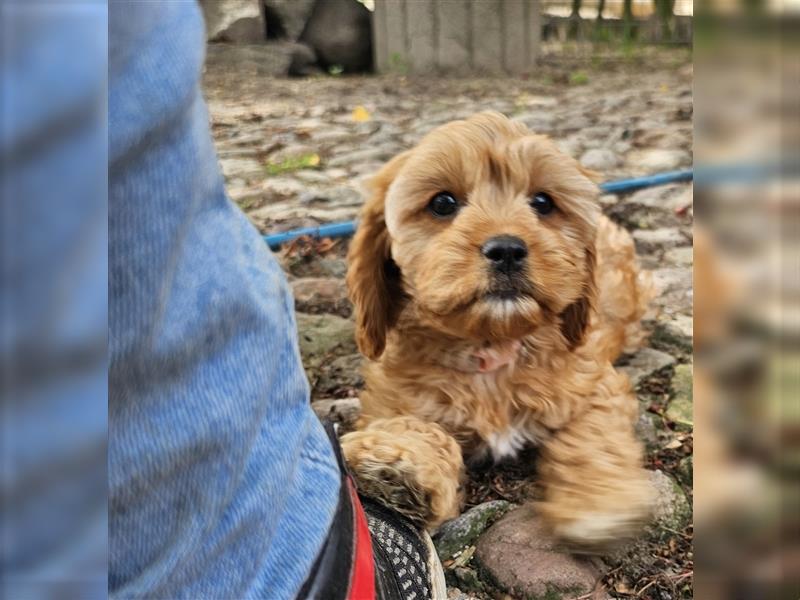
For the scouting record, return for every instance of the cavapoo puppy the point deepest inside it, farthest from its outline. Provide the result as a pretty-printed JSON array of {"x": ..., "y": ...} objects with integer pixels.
[{"x": 491, "y": 297}]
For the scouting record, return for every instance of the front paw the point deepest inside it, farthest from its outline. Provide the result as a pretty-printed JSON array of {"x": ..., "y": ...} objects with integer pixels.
[
  {"x": 411, "y": 466},
  {"x": 596, "y": 516}
]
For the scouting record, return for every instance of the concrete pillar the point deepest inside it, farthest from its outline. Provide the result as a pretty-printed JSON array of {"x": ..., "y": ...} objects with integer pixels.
[{"x": 456, "y": 37}]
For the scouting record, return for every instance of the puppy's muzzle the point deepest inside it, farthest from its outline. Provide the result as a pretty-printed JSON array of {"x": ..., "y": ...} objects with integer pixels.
[{"x": 505, "y": 253}]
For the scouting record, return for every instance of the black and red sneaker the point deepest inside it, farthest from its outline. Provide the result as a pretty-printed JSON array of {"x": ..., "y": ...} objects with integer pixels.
[
  {"x": 406, "y": 564},
  {"x": 372, "y": 552}
]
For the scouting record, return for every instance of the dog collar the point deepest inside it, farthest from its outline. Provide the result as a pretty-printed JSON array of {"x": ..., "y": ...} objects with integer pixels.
[{"x": 497, "y": 356}]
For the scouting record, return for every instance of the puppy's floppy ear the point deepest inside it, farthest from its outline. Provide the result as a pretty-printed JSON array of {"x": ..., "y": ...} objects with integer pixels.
[
  {"x": 575, "y": 318},
  {"x": 373, "y": 278}
]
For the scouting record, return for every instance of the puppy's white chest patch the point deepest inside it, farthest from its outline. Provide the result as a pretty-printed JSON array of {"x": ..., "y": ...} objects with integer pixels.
[{"x": 506, "y": 444}]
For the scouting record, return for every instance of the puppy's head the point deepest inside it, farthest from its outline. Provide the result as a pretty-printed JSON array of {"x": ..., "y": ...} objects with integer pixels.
[{"x": 486, "y": 228}]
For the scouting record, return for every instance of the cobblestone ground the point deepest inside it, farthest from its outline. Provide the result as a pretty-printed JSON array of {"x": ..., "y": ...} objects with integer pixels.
[{"x": 294, "y": 153}]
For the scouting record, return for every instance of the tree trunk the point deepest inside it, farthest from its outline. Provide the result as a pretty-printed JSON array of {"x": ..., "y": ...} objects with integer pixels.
[
  {"x": 600, "y": 30},
  {"x": 754, "y": 7},
  {"x": 575, "y": 19},
  {"x": 627, "y": 11},
  {"x": 664, "y": 10},
  {"x": 627, "y": 18}
]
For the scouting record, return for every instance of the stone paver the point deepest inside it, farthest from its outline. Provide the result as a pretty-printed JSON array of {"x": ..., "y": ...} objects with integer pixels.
[{"x": 522, "y": 559}]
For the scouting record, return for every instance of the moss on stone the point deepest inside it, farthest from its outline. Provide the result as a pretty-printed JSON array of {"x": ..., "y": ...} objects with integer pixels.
[
  {"x": 464, "y": 530},
  {"x": 681, "y": 408}
]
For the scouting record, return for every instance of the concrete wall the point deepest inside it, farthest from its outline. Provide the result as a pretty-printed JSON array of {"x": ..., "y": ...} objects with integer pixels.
[
  {"x": 456, "y": 37},
  {"x": 240, "y": 21}
]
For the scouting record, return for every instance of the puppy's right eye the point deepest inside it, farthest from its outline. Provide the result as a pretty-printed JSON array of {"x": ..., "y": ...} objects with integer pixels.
[{"x": 443, "y": 204}]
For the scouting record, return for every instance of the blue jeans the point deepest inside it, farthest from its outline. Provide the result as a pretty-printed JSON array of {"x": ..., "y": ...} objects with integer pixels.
[{"x": 222, "y": 483}]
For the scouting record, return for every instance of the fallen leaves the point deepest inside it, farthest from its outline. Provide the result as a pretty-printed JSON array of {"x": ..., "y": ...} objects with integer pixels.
[
  {"x": 361, "y": 114},
  {"x": 307, "y": 246},
  {"x": 294, "y": 163}
]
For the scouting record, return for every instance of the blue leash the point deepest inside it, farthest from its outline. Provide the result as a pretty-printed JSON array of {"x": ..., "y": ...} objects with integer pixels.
[
  {"x": 333, "y": 230},
  {"x": 348, "y": 228},
  {"x": 638, "y": 183}
]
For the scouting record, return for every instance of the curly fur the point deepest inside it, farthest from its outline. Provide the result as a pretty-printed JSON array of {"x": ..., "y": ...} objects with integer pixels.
[{"x": 419, "y": 286}]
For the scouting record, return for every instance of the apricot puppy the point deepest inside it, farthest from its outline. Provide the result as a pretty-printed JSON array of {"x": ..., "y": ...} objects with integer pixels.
[{"x": 491, "y": 296}]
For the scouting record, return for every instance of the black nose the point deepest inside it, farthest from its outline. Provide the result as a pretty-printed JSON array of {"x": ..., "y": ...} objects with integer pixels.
[{"x": 506, "y": 253}]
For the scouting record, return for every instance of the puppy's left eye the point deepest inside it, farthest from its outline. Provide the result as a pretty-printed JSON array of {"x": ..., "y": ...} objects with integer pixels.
[
  {"x": 443, "y": 204},
  {"x": 542, "y": 203}
]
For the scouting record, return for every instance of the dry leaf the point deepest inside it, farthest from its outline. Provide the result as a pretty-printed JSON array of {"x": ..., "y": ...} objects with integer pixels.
[
  {"x": 325, "y": 245},
  {"x": 361, "y": 114},
  {"x": 463, "y": 558},
  {"x": 621, "y": 586}
]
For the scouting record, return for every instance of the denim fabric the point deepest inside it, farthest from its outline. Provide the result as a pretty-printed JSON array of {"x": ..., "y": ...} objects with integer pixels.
[
  {"x": 222, "y": 483},
  {"x": 53, "y": 283}
]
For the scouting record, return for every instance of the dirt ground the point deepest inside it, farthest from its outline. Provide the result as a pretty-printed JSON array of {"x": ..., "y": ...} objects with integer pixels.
[{"x": 294, "y": 153}]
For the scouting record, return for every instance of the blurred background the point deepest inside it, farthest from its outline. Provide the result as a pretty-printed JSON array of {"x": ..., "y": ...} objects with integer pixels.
[
  {"x": 747, "y": 365},
  {"x": 452, "y": 37}
]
